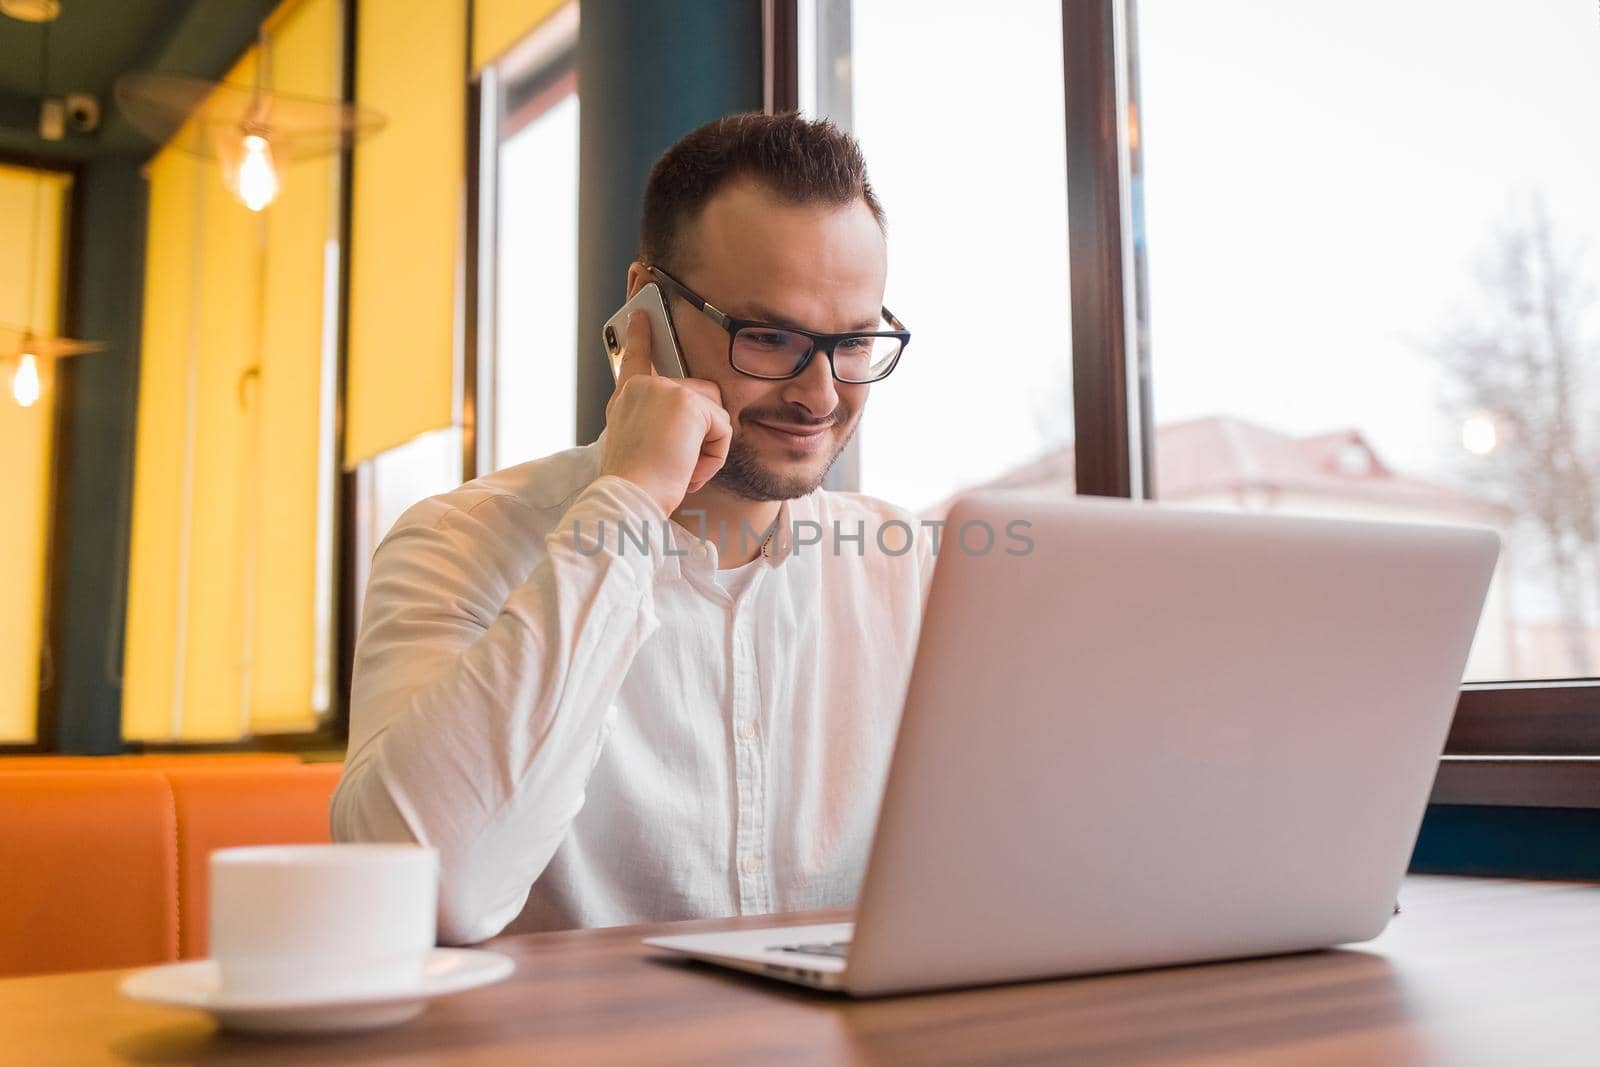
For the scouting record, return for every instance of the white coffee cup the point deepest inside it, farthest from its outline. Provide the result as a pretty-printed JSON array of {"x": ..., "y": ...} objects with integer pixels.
[{"x": 303, "y": 922}]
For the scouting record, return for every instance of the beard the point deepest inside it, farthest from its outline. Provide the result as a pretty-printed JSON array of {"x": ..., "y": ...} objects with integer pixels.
[{"x": 745, "y": 476}]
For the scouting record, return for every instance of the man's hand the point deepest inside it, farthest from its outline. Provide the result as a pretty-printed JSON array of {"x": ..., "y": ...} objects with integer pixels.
[{"x": 668, "y": 436}]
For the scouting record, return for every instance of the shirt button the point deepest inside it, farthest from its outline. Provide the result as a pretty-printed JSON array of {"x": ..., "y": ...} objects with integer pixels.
[
  {"x": 747, "y": 731},
  {"x": 751, "y": 865}
]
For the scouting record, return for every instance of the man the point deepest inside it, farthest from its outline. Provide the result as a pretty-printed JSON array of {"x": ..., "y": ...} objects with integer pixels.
[{"x": 596, "y": 729}]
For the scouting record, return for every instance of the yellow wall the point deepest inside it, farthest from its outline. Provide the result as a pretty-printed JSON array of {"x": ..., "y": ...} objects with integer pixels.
[
  {"x": 223, "y": 597},
  {"x": 25, "y": 435}
]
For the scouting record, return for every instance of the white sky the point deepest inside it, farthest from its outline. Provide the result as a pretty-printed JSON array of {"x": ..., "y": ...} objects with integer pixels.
[
  {"x": 1319, "y": 179},
  {"x": 537, "y": 288},
  {"x": 960, "y": 114}
]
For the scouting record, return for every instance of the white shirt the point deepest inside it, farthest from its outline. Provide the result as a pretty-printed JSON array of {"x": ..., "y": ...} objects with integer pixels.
[
  {"x": 605, "y": 725},
  {"x": 736, "y": 580}
]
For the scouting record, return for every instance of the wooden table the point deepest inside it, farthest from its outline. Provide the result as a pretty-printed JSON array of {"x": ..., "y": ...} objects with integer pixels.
[{"x": 1474, "y": 971}]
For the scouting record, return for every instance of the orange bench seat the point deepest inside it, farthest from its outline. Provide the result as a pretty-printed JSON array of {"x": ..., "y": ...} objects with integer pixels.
[
  {"x": 88, "y": 870},
  {"x": 110, "y": 867},
  {"x": 154, "y": 761}
]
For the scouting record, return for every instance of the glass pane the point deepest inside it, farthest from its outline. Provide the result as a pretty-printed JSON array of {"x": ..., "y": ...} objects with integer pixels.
[
  {"x": 961, "y": 116},
  {"x": 32, "y": 225},
  {"x": 393, "y": 481},
  {"x": 1373, "y": 274},
  {"x": 536, "y": 318}
]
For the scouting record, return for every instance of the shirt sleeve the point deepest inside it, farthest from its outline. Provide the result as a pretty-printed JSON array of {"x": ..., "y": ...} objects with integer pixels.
[{"x": 477, "y": 715}]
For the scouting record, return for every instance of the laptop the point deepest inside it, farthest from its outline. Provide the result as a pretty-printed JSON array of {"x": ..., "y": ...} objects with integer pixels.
[{"x": 1159, "y": 736}]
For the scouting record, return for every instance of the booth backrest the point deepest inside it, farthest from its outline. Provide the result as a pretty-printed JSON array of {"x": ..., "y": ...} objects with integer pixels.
[
  {"x": 155, "y": 761},
  {"x": 109, "y": 867},
  {"x": 221, "y": 808},
  {"x": 89, "y": 870}
]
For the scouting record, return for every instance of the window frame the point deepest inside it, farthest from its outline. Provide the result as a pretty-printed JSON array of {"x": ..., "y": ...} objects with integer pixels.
[
  {"x": 332, "y": 733},
  {"x": 1526, "y": 743},
  {"x": 1523, "y": 744},
  {"x": 538, "y": 72},
  {"x": 1518, "y": 744}
]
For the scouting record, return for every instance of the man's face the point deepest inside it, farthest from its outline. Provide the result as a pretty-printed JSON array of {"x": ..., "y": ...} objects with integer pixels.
[{"x": 817, "y": 267}]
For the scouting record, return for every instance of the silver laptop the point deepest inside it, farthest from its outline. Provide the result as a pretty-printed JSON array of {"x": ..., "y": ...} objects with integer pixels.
[{"x": 1160, "y": 736}]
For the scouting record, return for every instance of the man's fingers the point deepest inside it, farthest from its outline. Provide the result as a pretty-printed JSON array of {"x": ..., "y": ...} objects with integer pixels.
[
  {"x": 719, "y": 432},
  {"x": 718, "y": 426},
  {"x": 714, "y": 447},
  {"x": 661, "y": 425},
  {"x": 636, "y": 351},
  {"x": 701, "y": 387}
]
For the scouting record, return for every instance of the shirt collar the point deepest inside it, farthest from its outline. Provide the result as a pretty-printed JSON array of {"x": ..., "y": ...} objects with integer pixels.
[
  {"x": 700, "y": 555},
  {"x": 780, "y": 549}
]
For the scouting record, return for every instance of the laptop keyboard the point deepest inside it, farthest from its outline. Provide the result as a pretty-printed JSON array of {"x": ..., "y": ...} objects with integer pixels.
[{"x": 837, "y": 949}]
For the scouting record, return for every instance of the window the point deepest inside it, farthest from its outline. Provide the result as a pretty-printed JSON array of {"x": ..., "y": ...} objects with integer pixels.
[
  {"x": 526, "y": 288},
  {"x": 528, "y": 265},
  {"x": 389, "y": 483},
  {"x": 519, "y": 374},
  {"x": 1369, "y": 279},
  {"x": 968, "y": 156},
  {"x": 1372, "y": 285},
  {"x": 33, "y": 220},
  {"x": 229, "y": 623}
]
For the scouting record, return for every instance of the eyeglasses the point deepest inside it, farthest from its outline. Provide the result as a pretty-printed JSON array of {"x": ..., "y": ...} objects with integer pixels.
[{"x": 775, "y": 353}]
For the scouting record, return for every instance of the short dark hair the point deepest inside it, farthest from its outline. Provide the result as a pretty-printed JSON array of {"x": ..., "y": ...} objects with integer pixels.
[{"x": 802, "y": 160}]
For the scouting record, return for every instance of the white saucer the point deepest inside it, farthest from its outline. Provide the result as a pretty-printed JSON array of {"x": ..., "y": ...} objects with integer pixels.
[{"x": 194, "y": 984}]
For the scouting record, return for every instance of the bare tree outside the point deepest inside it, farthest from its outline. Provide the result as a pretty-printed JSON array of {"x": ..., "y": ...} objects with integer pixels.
[{"x": 1521, "y": 359}]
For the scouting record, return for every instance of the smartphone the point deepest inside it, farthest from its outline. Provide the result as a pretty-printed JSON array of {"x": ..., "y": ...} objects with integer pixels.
[{"x": 664, "y": 350}]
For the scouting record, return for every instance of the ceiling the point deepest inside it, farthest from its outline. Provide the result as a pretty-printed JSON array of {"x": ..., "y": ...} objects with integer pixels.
[{"x": 94, "y": 42}]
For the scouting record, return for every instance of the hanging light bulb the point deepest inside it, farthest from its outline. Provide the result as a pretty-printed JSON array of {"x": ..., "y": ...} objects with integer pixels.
[
  {"x": 25, "y": 382},
  {"x": 252, "y": 132},
  {"x": 248, "y": 155},
  {"x": 257, "y": 180}
]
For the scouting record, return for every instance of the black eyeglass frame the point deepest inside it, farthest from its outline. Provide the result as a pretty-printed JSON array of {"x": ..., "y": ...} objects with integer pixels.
[{"x": 823, "y": 342}]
